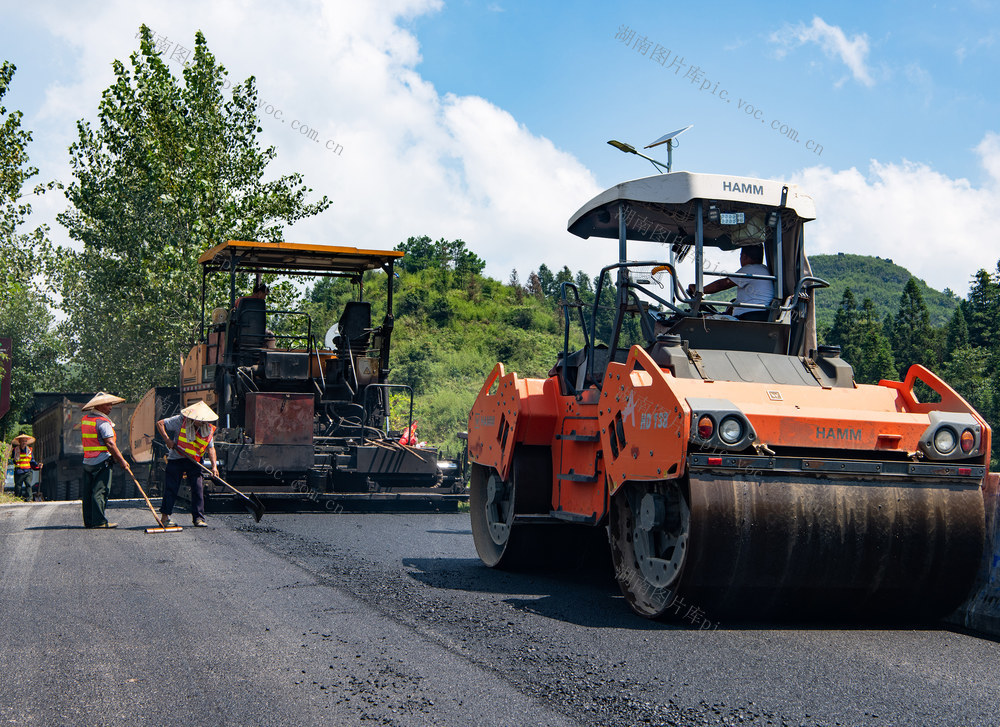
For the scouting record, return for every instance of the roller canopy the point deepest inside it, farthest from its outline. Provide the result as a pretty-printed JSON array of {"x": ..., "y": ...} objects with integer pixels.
[
  {"x": 661, "y": 207},
  {"x": 289, "y": 256}
]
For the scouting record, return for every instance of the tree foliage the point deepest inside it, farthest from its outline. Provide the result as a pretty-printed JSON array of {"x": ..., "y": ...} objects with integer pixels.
[
  {"x": 422, "y": 253},
  {"x": 874, "y": 352},
  {"x": 17, "y": 262},
  {"x": 872, "y": 277},
  {"x": 913, "y": 340},
  {"x": 958, "y": 333},
  {"x": 24, "y": 313},
  {"x": 169, "y": 170},
  {"x": 860, "y": 333},
  {"x": 980, "y": 310}
]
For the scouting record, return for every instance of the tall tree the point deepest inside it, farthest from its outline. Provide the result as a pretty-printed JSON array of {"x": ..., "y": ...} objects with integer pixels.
[
  {"x": 912, "y": 337},
  {"x": 17, "y": 263},
  {"x": 514, "y": 283},
  {"x": 981, "y": 310},
  {"x": 844, "y": 332},
  {"x": 534, "y": 286},
  {"x": 170, "y": 170},
  {"x": 547, "y": 280},
  {"x": 24, "y": 313},
  {"x": 874, "y": 354},
  {"x": 563, "y": 276},
  {"x": 958, "y": 333}
]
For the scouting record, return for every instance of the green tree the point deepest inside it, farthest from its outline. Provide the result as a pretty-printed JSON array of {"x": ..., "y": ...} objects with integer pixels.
[
  {"x": 17, "y": 261},
  {"x": 514, "y": 283},
  {"x": 563, "y": 276},
  {"x": 912, "y": 337},
  {"x": 968, "y": 372},
  {"x": 981, "y": 309},
  {"x": 27, "y": 321},
  {"x": 547, "y": 281},
  {"x": 534, "y": 286},
  {"x": 874, "y": 354},
  {"x": 844, "y": 332},
  {"x": 958, "y": 333},
  {"x": 422, "y": 253},
  {"x": 170, "y": 170},
  {"x": 24, "y": 313}
]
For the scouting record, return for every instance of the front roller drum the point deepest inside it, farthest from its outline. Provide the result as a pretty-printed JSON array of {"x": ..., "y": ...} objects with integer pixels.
[{"x": 782, "y": 546}]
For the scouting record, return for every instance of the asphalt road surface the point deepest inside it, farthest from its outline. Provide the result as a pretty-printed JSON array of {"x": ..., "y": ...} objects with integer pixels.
[{"x": 357, "y": 619}]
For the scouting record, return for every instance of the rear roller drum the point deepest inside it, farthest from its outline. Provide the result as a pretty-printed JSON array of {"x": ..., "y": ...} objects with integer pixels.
[
  {"x": 649, "y": 529},
  {"x": 493, "y": 503}
]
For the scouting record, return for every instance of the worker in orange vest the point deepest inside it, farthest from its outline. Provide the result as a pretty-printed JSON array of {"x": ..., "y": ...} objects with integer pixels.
[
  {"x": 188, "y": 436},
  {"x": 23, "y": 457},
  {"x": 99, "y": 454}
]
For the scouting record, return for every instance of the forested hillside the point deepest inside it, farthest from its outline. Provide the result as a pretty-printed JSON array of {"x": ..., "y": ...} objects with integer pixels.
[{"x": 880, "y": 280}]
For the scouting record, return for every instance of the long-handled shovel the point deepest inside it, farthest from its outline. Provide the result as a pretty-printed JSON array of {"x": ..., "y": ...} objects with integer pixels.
[
  {"x": 159, "y": 522},
  {"x": 252, "y": 502}
]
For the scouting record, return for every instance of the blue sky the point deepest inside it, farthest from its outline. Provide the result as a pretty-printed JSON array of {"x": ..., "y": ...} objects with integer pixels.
[
  {"x": 931, "y": 91},
  {"x": 488, "y": 120}
]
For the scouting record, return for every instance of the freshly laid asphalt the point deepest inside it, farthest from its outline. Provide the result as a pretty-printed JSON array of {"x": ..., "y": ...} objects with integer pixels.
[{"x": 345, "y": 619}]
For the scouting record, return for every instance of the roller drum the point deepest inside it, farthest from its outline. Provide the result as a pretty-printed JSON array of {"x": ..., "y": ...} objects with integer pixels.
[{"x": 838, "y": 548}]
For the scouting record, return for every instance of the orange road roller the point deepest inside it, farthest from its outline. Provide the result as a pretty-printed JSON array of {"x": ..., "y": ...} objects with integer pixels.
[{"x": 737, "y": 467}]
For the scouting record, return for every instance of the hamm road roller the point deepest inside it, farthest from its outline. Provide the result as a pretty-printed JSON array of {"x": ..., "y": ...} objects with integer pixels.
[{"x": 737, "y": 466}]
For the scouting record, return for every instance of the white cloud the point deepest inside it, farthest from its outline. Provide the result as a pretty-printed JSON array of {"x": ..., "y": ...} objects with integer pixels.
[
  {"x": 417, "y": 160},
  {"x": 940, "y": 229},
  {"x": 966, "y": 48},
  {"x": 833, "y": 41},
  {"x": 412, "y": 161}
]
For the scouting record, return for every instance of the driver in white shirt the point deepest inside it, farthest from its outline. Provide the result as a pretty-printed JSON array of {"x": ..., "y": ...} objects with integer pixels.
[{"x": 749, "y": 290}]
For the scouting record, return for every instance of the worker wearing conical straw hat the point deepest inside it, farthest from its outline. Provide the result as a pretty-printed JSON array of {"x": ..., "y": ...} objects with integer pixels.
[
  {"x": 99, "y": 453},
  {"x": 189, "y": 436},
  {"x": 23, "y": 457}
]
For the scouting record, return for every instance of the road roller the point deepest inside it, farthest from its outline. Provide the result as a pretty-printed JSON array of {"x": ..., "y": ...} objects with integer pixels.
[{"x": 737, "y": 466}]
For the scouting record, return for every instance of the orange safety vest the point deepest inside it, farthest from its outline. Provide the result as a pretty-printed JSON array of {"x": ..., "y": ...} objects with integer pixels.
[
  {"x": 92, "y": 444},
  {"x": 24, "y": 459},
  {"x": 198, "y": 446}
]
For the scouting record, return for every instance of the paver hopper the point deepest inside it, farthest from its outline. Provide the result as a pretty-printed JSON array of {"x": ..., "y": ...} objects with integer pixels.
[{"x": 738, "y": 467}]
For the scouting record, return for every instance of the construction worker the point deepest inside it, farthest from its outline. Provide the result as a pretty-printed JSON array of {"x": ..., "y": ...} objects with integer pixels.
[
  {"x": 22, "y": 455},
  {"x": 99, "y": 454},
  {"x": 188, "y": 436}
]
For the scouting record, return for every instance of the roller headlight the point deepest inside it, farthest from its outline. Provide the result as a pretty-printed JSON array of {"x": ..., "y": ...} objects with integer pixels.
[
  {"x": 731, "y": 430},
  {"x": 941, "y": 439},
  {"x": 945, "y": 440},
  {"x": 719, "y": 424}
]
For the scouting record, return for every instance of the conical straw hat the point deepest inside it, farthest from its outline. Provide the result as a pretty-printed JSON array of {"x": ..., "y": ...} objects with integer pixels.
[
  {"x": 200, "y": 412},
  {"x": 102, "y": 398},
  {"x": 23, "y": 439}
]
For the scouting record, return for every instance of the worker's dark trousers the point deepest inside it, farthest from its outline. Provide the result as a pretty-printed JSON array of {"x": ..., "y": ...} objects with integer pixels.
[
  {"x": 94, "y": 492},
  {"x": 172, "y": 485},
  {"x": 22, "y": 483}
]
